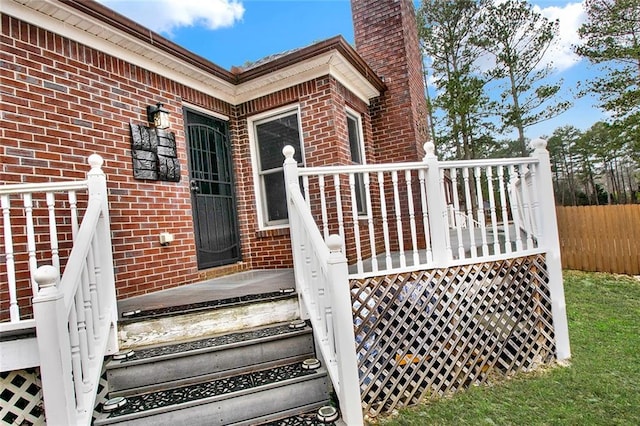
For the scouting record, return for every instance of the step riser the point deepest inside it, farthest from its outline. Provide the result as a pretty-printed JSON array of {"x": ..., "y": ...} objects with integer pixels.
[
  {"x": 239, "y": 409},
  {"x": 129, "y": 376},
  {"x": 177, "y": 328}
]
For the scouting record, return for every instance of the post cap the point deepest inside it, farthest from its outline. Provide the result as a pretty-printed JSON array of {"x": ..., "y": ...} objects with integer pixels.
[
  {"x": 288, "y": 151},
  {"x": 334, "y": 242},
  {"x": 538, "y": 144},
  {"x": 46, "y": 276}
]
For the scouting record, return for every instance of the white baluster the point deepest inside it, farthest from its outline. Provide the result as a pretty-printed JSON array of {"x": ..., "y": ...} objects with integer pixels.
[
  {"x": 446, "y": 234},
  {"x": 95, "y": 278},
  {"x": 526, "y": 205},
  {"x": 385, "y": 220},
  {"x": 336, "y": 186},
  {"x": 31, "y": 240},
  {"x": 14, "y": 309},
  {"x": 356, "y": 225},
  {"x": 396, "y": 201},
  {"x": 53, "y": 231},
  {"x": 323, "y": 206},
  {"x": 305, "y": 185},
  {"x": 535, "y": 200},
  {"x": 505, "y": 213},
  {"x": 481, "y": 220},
  {"x": 425, "y": 213},
  {"x": 515, "y": 209},
  {"x": 83, "y": 338},
  {"x": 372, "y": 234},
  {"x": 73, "y": 209},
  {"x": 492, "y": 207},
  {"x": 453, "y": 174},
  {"x": 469, "y": 205},
  {"x": 412, "y": 218}
]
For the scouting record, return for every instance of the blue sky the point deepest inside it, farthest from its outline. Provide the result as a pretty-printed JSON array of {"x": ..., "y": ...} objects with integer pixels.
[{"x": 233, "y": 32}]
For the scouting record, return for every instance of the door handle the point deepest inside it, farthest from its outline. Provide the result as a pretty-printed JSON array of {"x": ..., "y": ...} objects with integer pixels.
[{"x": 193, "y": 186}]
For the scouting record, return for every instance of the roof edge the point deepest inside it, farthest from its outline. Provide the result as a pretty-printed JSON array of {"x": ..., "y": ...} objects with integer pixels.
[
  {"x": 337, "y": 43},
  {"x": 128, "y": 26}
]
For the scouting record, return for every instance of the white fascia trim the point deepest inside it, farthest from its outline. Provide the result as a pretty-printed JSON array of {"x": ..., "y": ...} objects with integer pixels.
[
  {"x": 331, "y": 63},
  {"x": 217, "y": 88}
]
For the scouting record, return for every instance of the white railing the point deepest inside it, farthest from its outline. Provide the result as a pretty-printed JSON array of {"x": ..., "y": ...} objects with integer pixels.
[
  {"x": 22, "y": 232},
  {"x": 495, "y": 214},
  {"x": 395, "y": 218},
  {"x": 323, "y": 287},
  {"x": 75, "y": 314}
]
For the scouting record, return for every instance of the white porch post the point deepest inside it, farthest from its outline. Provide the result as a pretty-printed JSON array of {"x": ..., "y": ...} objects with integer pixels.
[
  {"x": 551, "y": 243},
  {"x": 54, "y": 348},
  {"x": 436, "y": 206},
  {"x": 349, "y": 389}
]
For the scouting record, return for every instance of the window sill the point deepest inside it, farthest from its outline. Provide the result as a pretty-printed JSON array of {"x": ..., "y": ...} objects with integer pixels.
[{"x": 268, "y": 233}]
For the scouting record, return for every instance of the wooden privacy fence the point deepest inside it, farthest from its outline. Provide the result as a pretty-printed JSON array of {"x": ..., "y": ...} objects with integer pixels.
[{"x": 600, "y": 238}]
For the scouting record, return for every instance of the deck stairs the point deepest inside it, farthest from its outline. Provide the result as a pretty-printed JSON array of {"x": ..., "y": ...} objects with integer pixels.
[{"x": 241, "y": 359}]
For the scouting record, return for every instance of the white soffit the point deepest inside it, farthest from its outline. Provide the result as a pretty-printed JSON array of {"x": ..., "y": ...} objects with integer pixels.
[
  {"x": 68, "y": 22},
  {"x": 330, "y": 63}
]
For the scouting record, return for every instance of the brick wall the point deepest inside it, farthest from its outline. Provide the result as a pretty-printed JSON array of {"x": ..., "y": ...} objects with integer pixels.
[
  {"x": 386, "y": 37},
  {"x": 62, "y": 101}
]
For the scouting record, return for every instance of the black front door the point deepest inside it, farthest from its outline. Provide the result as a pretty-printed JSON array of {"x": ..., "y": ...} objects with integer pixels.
[{"x": 212, "y": 190}]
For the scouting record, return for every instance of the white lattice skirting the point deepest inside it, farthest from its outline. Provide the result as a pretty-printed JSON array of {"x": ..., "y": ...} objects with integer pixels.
[
  {"x": 426, "y": 334},
  {"x": 21, "y": 397}
]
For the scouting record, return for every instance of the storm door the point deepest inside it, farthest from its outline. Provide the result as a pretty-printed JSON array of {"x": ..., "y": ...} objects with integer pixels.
[{"x": 212, "y": 190}]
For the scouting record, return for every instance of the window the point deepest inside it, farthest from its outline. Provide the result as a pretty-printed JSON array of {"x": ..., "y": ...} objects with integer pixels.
[
  {"x": 270, "y": 135},
  {"x": 357, "y": 157}
]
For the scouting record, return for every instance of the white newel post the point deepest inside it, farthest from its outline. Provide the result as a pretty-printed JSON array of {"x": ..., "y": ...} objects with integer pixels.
[
  {"x": 97, "y": 188},
  {"x": 349, "y": 393},
  {"x": 436, "y": 206},
  {"x": 54, "y": 348},
  {"x": 551, "y": 243}
]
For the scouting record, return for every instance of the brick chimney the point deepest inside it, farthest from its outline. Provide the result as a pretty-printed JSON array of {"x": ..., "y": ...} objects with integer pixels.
[{"x": 386, "y": 37}]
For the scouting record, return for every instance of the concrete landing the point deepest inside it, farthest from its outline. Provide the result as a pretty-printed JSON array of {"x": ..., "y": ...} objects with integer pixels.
[{"x": 240, "y": 284}]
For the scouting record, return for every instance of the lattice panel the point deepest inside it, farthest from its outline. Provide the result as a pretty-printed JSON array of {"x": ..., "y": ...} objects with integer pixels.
[
  {"x": 103, "y": 392},
  {"x": 21, "y": 398},
  {"x": 426, "y": 334}
]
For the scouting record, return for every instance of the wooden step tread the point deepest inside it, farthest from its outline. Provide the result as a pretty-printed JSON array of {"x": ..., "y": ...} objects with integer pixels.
[
  {"x": 189, "y": 395},
  {"x": 210, "y": 342},
  {"x": 165, "y": 311}
]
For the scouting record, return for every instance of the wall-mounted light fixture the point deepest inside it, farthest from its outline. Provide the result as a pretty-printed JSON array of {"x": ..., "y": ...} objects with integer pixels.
[{"x": 158, "y": 115}]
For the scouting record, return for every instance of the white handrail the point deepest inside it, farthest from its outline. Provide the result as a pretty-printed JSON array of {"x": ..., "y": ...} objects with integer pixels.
[
  {"x": 322, "y": 282},
  {"x": 76, "y": 320}
]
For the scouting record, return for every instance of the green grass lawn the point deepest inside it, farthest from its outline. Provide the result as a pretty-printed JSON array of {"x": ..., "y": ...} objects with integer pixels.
[{"x": 601, "y": 386}]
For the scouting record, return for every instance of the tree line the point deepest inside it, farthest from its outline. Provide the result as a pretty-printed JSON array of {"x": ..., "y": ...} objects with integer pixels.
[{"x": 487, "y": 62}]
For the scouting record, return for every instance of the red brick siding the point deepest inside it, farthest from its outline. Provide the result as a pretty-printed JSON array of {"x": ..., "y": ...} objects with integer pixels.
[
  {"x": 386, "y": 37},
  {"x": 62, "y": 101},
  {"x": 322, "y": 104}
]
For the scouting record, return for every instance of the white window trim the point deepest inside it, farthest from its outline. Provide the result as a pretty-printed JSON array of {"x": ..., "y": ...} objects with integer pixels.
[
  {"x": 351, "y": 113},
  {"x": 255, "y": 163}
]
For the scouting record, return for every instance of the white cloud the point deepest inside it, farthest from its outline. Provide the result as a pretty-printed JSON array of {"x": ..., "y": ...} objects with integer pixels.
[
  {"x": 570, "y": 16},
  {"x": 167, "y": 15}
]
